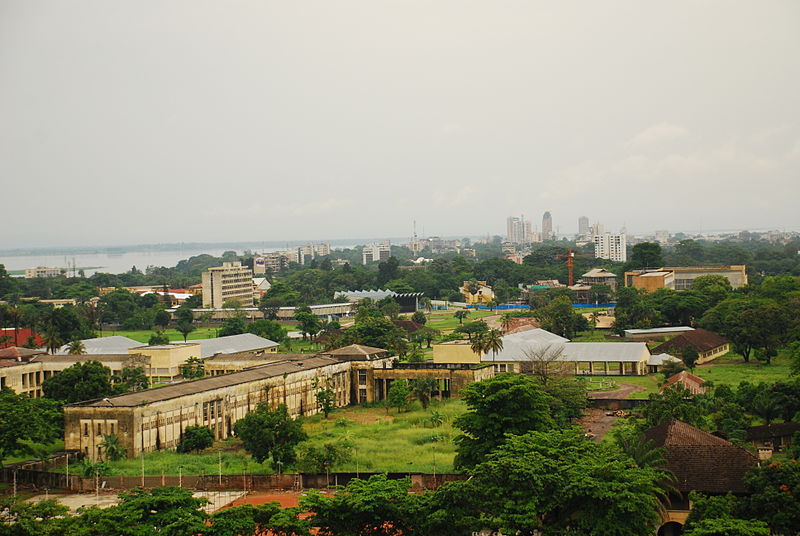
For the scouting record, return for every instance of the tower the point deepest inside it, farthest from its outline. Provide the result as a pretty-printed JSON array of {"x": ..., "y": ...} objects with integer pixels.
[{"x": 547, "y": 226}]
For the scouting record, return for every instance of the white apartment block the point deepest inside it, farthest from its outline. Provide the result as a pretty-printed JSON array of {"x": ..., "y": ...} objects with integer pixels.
[
  {"x": 610, "y": 246},
  {"x": 310, "y": 252},
  {"x": 231, "y": 281},
  {"x": 377, "y": 251},
  {"x": 518, "y": 230},
  {"x": 42, "y": 272}
]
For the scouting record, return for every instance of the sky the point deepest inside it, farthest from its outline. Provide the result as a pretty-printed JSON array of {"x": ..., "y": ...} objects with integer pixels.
[{"x": 128, "y": 122}]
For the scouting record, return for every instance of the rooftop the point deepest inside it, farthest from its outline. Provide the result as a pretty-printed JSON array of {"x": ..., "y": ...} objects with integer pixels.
[
  {"x": 232, "y": 344},
  {"x": 701, "y": 339},
  {"x": 115, "y": 344}
]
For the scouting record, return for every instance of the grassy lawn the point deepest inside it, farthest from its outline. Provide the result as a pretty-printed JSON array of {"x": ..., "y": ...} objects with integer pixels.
[
  {"x": 55, "y": 446},
  {"x": 731, "y": 369},
  {"x": 381, "y": 442},
  {"x": 445, "y": 322},
  {"x": 648, "y": 383},
  {"x": 592, "y": 335},
  {"x": 143, "y": 336}
]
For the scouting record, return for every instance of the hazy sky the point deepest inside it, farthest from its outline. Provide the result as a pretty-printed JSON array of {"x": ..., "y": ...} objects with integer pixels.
[{"x": 165, "y": 121}]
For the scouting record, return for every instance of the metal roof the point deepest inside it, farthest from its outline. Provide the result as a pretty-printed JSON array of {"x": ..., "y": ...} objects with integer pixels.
[
  {"x": 115, "y": 344},
  {"x": 661, "y": 359},
  {"x": 231, "y": 344},
  {"x": 167, "y": 392},
  {"x": 654, "y": 331},
  {"x": 515, "y": 345},
  {"x": 609, "y": 352}
]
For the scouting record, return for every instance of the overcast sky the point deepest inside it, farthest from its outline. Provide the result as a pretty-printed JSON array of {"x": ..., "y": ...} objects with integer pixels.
[{"x": 165, "y": 121}]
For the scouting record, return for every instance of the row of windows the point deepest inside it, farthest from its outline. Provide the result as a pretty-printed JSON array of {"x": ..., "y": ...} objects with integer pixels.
[{"x": 111, "y": 429}]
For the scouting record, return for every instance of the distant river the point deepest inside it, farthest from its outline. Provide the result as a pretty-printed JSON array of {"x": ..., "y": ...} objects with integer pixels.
[{"x": 108, "y": 263}]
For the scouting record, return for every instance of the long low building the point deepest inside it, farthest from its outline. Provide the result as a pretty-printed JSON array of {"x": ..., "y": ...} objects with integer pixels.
[{"x": 155, "y": 418}]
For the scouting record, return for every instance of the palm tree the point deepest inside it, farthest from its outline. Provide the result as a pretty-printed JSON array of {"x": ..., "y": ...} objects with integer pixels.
[
  {"x": 461, "y": 314},
  {"x": 52, "y": 340},
  {"x": 427, "y": 305},
  {"x": 644, "y": 454},
  {"x": 478, "y": 345},
  {"x": 506, "y": 321},
  {"x": 76, "y": 347},
  {"x": 14, "y": 315},
  {"x": 493, "y": 342},
  {"x": 114, "y": 451}
]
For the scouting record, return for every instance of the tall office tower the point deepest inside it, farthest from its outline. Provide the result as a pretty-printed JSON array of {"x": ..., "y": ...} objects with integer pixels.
[
  {"x": 610, "y": 246},
  {"x": 547, "y": 226},
  {"x": 231, "y": 281},
  {"x": 597, "y": 229},
  {"x": 518, "y": 230},
  {"x": 583, "y": 226}
]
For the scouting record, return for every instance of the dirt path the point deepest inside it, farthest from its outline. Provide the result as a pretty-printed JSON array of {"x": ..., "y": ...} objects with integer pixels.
[
  {"x": 597, "y": 423},
  {"x": 624, "y": 391}
]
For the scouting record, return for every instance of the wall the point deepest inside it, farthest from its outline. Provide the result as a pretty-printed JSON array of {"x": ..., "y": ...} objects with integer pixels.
[{"x": 454, "y": 352}]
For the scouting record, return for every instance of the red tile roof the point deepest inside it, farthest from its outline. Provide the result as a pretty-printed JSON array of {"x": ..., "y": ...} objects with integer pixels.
[
  {"x": 701, "y": 461},
  {"x": 22, "y": 336},
  {"x": 689, "y": 380},
  {"x": 702, "y": 340}
]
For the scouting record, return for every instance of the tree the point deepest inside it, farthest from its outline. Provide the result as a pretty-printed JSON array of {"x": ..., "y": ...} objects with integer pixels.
[
  {"x": 690, "y": 357},
  {"x": 398, "y": 395},
  {"x": 552, "y": 482},
  {"x": 715, "y": 288},
  {"x": 645, "y": 255},
  {"x": 378, "y": 332},
  {"x": 772, "y": 496},
  {"x": 161, "y": 319},
  {"x": 560, "y": 318},
  {"x": 131, "y": 379},
  {"x": 309, "y": 324},
  {"x": 676, "y": 402},
  {"x": 158, "y": 338},
  {"x": 319, "y": 458},
  {"x": 419, "y": 317},
  {"x": 423, "y": 388},
  {"x": 193, "y": 369},
  {"x": 196, "y": 438},
  {"x": 461, "y": 314},
  {"x": 269, "y": 329},
  {"x": 76, "y": 347},
  {"x": 27, "y": 419},
  {"x": 232, "y": 326},
  {"x": 505, "y": 404},
  {"x": 184, "y": 328},
  {"x": 717, "y": 516},
  {"x": 111, "y": 447},
  {"x": 728, "y": 527},
  {"x": 544, "y": 361},
  {"x": 492, "y": 342},
  {"x": 266, "y": 433},
  {"x": 671, "y": 368},
  {"x": 506, "y": 321},
  {"x": 473, "y": 329},
  {"x": 325, "y": 397},
  {"x": 52, "y": 340},
  {"x": 82, "y": 381}
]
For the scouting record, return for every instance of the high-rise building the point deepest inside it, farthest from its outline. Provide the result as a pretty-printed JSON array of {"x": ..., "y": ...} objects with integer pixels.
[
  {"x": 518, "y": 230},
  {"x": 610, "y": 246},
  {"x": 662, "y": 237},
  {"x": 310, "y": 252},
  {"x": 547, "y": 227},
  {"x": 231, "y": 281},
  {"x": 597, "y": 229},
  {"x": 583, "y": 226},
  {"x": 377, "y": 251},
  {"x": 274, "y": 262}
]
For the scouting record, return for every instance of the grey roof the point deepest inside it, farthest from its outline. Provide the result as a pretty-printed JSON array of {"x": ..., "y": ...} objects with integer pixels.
[
  {"x": 168, "y": 392},
  {"x": 116, "y": 344},
  {"x": 660, "y": 359},
  {"x": 361, "y": 294},
  {"x": 232, "y": 344},
  {"x": 515, "y": 345},
  {"x": 67, "y": 358},
  {"x": 605, "y": 351},
  {"x": 655, "y": 331},
  {"x": 599, "y": 272}
]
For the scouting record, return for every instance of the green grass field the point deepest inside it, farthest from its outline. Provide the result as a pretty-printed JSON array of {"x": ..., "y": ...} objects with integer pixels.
[
  {"x": 393, "y": 442},
  {"x": 445, "y": 322}
]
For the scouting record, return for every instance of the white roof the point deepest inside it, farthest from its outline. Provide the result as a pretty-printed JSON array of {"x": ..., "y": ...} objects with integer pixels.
[
  {"x": 515, "y": 345},
  {"x": 660, "y": 359},
  {"x": 231, "y": 344},
  {"x": 653, "y": 331},
  {"x": 116, "y": 344},
  {"x": 609, "y": 352},
  {"x": 599, "y": 272},
  {"x": 356, "y": 295}
]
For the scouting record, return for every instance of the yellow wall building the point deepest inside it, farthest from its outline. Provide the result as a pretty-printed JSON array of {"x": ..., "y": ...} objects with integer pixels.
[{"x": 165, "y": 360}]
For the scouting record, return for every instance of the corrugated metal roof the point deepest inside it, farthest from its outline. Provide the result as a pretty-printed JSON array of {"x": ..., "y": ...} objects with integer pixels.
[
  {"x": 516, "y": 344},
  {"x": 116, "y": 344},
  {"x": 628, "y": 352},
  {"x": 168, "y": 392},
  {"x": 232, "y": 344}
]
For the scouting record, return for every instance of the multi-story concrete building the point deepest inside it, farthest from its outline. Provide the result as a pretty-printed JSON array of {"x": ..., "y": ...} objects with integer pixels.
[
  {"x": 662, "y": 237},
  {"x": 310, "y": 252},
  {"x": 274, "y": 262},
  {"x": 583, "y": 226},
  {"x": 377, "y": 251},
  {"x": 518, "y": 230},
  {"x": 682, "y": 277},
  {"x": 231, "y": 281},
  {"x": 42, "y": 272},
  {"x": 611, "y": 246},
  {"x": 547, "y": 227}
]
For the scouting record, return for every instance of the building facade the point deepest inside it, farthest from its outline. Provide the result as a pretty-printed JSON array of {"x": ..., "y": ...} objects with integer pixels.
[
  {"x": 274, "y": 262},
  {"x": 376, "y": 252},
  {"x": 547, "y": 227},
  {"x": 583, "y": 226},
  {"x": 611, "y": 246},
  {"x": 518, "y": 230},
  {"x": 682, "y": 277},
  {"x": 42, "y": 272},
  {"x": 309, "y": 252},
  {"x": 231, "y": 281}
]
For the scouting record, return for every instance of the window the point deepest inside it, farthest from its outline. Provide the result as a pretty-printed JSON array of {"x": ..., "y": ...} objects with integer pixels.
[
  {"x": 362, "y": 377},
  {"x": 99, "y": 452},
  {"x": 111, "y": 428},
  {"x": 99, "y": 429},
  {"x": 86, "y": 429}
]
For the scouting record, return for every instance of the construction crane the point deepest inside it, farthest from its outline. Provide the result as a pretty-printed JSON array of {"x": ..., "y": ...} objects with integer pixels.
[{"x": 570, "y": 256}]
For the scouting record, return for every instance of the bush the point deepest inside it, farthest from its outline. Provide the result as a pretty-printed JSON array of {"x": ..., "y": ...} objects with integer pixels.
[
  {"x": 196, "y": 438},
  {"x": 313, "y": 458}
]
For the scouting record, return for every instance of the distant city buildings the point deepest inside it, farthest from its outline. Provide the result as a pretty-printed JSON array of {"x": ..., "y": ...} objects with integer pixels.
[
  {"x": 610, "y": 246},
  {"x": 42, "y": 272},
  {"x": 376, "y": 252},
  {"x": 309, "y": 252},
  {"x": 274, "y": 262},
  {"x": 547, "y": 227},
  {"x": 518, "y": 230},
  {"x": 231, "y": 281},
  {"x": 583, "y": 226},
  {"x": 662, "y": 237}
]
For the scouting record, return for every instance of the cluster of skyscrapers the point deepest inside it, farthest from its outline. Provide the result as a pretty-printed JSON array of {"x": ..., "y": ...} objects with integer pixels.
[{"x": 520, "y": 231}]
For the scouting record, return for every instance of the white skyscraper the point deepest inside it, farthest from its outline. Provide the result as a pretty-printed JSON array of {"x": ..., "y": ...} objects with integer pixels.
[
  {"x": 583, "y": 226},
  {"x": 610, "y": 246},
  {"x": 518, "y": 230}
]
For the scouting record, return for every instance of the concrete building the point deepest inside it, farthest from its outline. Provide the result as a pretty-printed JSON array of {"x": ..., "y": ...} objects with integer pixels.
[
  {"x": 518, "y": 230},
  {"x": 610, "y": 246},
  {"x": 583, "y": 226},
  {"x": 376, "y": 252},
  {"x": 231, "y": 281},
  {"x": 682, "y": 277},
  {"x": 483, "y": 294},
  {"x": 272, "y": 262},
  {"x": 547, "y": 227},
  {"x": 599, "y": 276},
  {"x": 42, "y": 272},
  {"x": 309, "y": 252},
  {"x": 662, "y": 237},
  {"x": 708, "y": 344}
]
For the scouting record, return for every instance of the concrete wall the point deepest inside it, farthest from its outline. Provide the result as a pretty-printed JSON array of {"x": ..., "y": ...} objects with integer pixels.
[{"x": 454, "y": 352}]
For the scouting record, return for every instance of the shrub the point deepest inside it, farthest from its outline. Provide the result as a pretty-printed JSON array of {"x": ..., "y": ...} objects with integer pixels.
[{"x": 196, "y": 438}]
